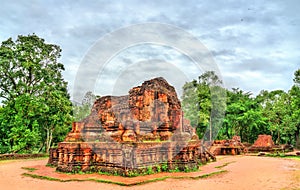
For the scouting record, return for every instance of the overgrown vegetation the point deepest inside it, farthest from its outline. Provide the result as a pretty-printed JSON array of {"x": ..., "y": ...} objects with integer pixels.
[
  {"x": 29, "y": 169},
  {"x": 36, "y": 109},
  {"x": 283, "y": 155},
  {"x": 276, "y": 112},
  {"x": 158, "y": 168},
  {"x": 223, "y": 165},
  {"x": 21, "y": 156}
]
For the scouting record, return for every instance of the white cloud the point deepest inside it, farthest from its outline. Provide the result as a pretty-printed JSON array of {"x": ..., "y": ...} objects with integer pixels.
[{"x": 258, "y": 40}]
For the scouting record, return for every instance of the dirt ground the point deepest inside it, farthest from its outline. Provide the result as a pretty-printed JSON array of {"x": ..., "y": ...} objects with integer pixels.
[{"x": 244, "y": 172}]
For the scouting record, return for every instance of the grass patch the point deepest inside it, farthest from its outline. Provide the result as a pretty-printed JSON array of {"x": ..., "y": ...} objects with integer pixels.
[
  {"x": 123, "y": 184},
  {"x": 225, "y": 164},
  {"x": 293, "y": 157},
  {"x": 149, "y": 181},
  {"x": 211, "y": 174},
  {"x": 69, "y": 180},
  {"x": 42, "y": 177},
  {"x": 282, "y": 155},
  {"x": 29, "y": 169},
  {"x": 143, "y": 171},
  {"x": 50, "y": 165},
  {"x": 186, "y": 177},
  {"x": 21, "y": 156}
]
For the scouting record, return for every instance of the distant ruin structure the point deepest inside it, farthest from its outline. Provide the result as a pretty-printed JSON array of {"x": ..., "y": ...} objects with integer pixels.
[
  {"x": 232, "y": 146},
  {"x": 145, "y": 128},
  {"x": 264, "y": 143}
]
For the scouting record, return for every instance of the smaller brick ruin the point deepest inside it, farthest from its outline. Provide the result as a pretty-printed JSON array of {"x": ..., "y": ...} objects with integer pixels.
[
  {"x": 131, "y": 133},
  {"x": 263, "y": 143},
  {"x": 234, "y": 146},
  {"x": 228, "y": 147}
]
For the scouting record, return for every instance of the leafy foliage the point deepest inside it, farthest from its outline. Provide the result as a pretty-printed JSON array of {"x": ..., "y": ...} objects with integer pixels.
[
  {"x": 203, "y": 104},
  {"x": 81, "y": 111},
  {"x": 276, "y": 112},
  {"x": 36, "y": 106},
  {"x": 243, "y": 116}
]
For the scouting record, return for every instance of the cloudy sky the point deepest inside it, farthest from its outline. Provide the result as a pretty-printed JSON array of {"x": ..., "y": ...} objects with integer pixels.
[{"x": 255, "y": 44}]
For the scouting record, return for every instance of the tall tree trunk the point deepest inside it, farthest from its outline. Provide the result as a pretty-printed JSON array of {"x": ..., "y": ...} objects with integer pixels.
[
  {"x": 241, "y": 134},
  {"x": 210, "y": 129},
  {"x": 41, "y": 147},
  {"x": 297, "y": 137},
  {"x": 278, "y": 137},
  {"x": 48, "y": 139}
]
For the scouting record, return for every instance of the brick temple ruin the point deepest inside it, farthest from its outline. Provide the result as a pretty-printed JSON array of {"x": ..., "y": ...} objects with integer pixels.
[
  {"x": 232, "y": 146},
  {"x": 264, "y": 143},
  {"x": 130, "y": 133}
]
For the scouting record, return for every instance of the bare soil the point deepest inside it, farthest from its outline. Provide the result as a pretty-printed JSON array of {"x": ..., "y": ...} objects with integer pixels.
[{"x": 244, "y": 172}]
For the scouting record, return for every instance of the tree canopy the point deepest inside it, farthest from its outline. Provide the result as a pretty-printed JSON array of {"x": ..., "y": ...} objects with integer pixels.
[
  {"x": 203, "y": 103},
  {"x": 36, "y": 107},
  {"x": 276, "y": 112}
]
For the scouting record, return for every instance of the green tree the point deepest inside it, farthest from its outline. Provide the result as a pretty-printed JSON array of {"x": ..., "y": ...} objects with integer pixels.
[
  {"x": 190, "y": 101},
  {"x": 56, "y": 117},
  {"x": 34, "y": 93},
  {"x": 295, "y": 108},
  {"x": 203, "y": 104},
  {"x": 20, "y": 128},
  {"x": 243, "y": 116},
  {"x": 276, "y": 112},
  {"x": 275, "y": 107},
  {"x": 81, "y": 111}
]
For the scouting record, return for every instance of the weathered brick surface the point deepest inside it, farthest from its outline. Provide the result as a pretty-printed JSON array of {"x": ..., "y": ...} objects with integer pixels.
[
  {"x": 264, "y": 143},
  {"x": 232, "y": 146},
  {"x": 144, "y": 128}
]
